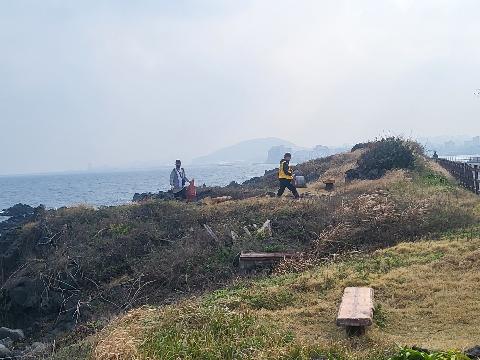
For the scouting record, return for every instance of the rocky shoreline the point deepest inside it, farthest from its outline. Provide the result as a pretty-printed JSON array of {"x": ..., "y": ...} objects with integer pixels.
[{"x": 13, "y": 342}]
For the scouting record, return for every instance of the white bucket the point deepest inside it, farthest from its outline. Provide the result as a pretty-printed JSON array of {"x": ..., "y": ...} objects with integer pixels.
[{"x": 300, "y": 182}]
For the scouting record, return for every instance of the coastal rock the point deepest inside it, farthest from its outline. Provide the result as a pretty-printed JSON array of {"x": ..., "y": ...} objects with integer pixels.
[
  {"x": 14, "y": 335},
  {"x": 36, "y": 350},
  {"x": 7, "y": 342},
  {"x": 161, "y": 195},
  {"x": 473, "y": 353},
  {"x": 5, "y": 353},
  {"x": 25, "y": 293},
  {"x": 18, "y": 216},
  {"x": 18, "y": 210}
]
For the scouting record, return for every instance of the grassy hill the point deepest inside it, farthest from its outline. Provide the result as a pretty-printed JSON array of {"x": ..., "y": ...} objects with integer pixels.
[
  {"x": 419, "y": 288},
  {"x": 147, "y": 281}
]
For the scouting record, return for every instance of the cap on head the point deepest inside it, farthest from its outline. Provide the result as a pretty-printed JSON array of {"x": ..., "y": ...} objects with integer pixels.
[
  {"x": 178, "y": 162},
  {"x": 287, "y": 156}
]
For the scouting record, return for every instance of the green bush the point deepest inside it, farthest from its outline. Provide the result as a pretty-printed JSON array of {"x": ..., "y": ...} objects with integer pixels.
[{"x": 383, "y": 155}]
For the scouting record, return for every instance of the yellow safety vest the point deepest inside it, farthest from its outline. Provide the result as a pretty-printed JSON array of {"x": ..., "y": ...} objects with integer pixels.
[{"x": 282, "y": 174}]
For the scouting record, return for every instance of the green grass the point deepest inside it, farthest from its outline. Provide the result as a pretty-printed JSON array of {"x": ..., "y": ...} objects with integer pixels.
[
  {"x": 213, "y": 332},
  {"x": 470, "y": 232},
  {"x": 253, "y": 297},
  {"x": 380, "y": 317},
  {"x": 210, "y": 333},
  {"x": 412, "y": 354},
  {"x": 389, "y": 260},
  {"x": 429, "y": 178}
]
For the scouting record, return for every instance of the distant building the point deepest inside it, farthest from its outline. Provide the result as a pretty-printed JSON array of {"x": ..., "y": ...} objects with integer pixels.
[
  {"x": 298, "y": 156},
  {"x": 475, "y": 142},
  {"x": 275, "y": 154}
]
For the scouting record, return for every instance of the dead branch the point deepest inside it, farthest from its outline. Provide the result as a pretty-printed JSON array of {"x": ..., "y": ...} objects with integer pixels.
[{"x": 211, "y": 233}]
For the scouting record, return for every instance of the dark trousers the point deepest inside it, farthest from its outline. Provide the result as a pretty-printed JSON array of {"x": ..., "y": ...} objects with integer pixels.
[
  {"x": 284, "y": 183},
  {"x": 182, "y": 194}
]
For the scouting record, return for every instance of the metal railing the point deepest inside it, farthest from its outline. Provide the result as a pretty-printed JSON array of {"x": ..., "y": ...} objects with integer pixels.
[{"x": 466, "y": 174}]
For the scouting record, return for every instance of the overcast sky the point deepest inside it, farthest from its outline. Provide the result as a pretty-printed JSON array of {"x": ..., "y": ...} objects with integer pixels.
[{"x": 121, "y": 83}]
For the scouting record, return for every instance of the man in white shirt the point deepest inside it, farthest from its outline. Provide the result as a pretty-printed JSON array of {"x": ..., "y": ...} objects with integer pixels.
[{"x": 178, "y": 181}]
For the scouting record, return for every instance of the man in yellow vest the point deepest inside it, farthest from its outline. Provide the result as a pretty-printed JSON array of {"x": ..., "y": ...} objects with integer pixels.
[{"x": 285, "y": 176}]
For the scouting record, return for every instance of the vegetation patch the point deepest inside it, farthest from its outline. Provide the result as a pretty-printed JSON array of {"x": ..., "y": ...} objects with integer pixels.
[
  {"x": 384, "y": 155},
  {"x": 413, "y": 354},
  {"x": 211, "y": 333},
  {"x": 255, "y": 298},
  {"x": 415, "y": 285}
]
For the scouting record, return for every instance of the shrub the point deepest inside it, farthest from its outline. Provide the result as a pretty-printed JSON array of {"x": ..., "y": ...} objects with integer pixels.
[
  {"x": 383, "y": 155},
  {"x": 360, "y": 146}
]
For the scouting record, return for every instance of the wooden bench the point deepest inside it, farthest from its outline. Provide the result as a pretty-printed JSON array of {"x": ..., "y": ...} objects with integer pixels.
[
  {"x": 356, "y": 310},
  {"x": 249, "y": 260}
]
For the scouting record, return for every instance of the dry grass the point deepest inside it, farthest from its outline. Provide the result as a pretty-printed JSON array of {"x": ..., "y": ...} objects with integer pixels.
[
  {"x": 426, "y": 290},
  {"x": 425, "y": 294},
  {"x": 123, "y": 337}
]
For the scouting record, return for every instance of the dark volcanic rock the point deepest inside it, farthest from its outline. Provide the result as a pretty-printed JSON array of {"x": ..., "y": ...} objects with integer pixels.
[
  {"x": 25, "y": 293},
  {"x": 7, "y": 342},
  {"x": 36, "y": 350},
  {"x": 15, "y": 335},
  {"x": 4, "y": 352},
  {"x": 161, "y": 195},
  {"x": 10, "y": 243},
  {"x": 18, "y": 210},
  {"x": 18, "y": 215},
  {"x": 473, "y": 353}
]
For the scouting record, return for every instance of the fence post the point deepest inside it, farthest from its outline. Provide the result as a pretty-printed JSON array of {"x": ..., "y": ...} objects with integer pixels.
[{"x": 476, "y": 180}]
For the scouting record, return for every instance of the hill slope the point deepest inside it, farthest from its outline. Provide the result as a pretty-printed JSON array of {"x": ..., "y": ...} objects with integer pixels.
[
  {"x": 418, "y": 287},
  {"x": 79, "y": 267}
]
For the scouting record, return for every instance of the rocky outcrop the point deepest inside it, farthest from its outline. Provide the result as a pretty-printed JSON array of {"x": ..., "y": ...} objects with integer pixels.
[
  {"x": 10, "y": 243},
  {"x": 161, "y": 195},
  {"x": 474, "y": 352},
  {"x": 5, "y": 353},
  {"x": 14, "y": 335},
  {"x": 12, "y": 346},
  {"x": 235, "y": 190},
  {"x": 8, "y": 337},
  {"x": 37, "y": 350},
  {"x": 18, "y": 211}
]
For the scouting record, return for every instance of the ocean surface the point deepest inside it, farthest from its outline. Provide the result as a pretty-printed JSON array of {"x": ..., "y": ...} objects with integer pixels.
[{"x": 111, "y": 188}]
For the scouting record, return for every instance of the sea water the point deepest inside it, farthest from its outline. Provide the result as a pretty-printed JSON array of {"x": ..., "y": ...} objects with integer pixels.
[{"x": 111, "y": 188}]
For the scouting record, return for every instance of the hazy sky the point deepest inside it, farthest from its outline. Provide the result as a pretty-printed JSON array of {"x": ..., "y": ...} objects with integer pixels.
[{"x": 124, "y": 83}]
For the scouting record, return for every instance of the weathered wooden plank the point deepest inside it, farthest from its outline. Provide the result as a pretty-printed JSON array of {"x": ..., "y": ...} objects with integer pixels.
[
  {"x": 356, "y": 308},
  {"x": 273, "y": 256},
  {"x": 252, "y": 260}
]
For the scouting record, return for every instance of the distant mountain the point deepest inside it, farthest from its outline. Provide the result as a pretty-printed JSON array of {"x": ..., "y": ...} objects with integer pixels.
[{"x": 250, "y": 151}]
